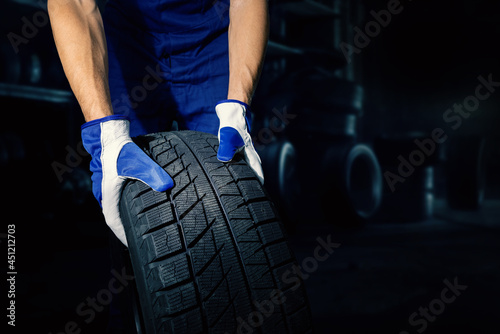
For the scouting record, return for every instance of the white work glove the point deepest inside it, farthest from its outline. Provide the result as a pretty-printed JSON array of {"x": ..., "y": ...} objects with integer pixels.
[
  {"x": 115, "y": 158},
  {"x": 234, "y": 134}
]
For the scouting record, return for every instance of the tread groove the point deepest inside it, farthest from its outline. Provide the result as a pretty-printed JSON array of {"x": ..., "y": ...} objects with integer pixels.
[
  {"x": 217, "y": 285},
  {"x": 202, "y": 234},
  {"x": 209, "y": 262},
  {"x": 190, "y": 265},
  {"x": 152, "y": 206}
]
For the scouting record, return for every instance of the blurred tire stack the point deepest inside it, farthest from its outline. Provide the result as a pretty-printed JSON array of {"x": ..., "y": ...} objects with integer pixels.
[
  {"x": 329, "y": 173},
  {"x": 453, "y": 171}
]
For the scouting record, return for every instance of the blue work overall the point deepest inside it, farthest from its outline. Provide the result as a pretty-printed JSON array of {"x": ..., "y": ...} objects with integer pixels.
[{"x": 168, "y": 60}]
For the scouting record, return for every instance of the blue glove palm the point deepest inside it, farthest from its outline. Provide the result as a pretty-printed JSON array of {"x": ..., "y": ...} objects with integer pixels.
[{"x": 116, "y": 158}]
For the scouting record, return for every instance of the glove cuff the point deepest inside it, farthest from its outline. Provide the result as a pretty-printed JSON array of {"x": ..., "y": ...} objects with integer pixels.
[
  {"x": 247, "y": 107},
  {"x": 101, "y": 120},
  {"x": 101, "y": 132},
  {"x": 247, "y": 114}
]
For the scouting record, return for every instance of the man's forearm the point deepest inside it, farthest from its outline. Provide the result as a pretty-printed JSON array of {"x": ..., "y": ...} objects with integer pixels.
[
  {"x": 81, "y": 44},
  {"x": 248, "y": 34}
]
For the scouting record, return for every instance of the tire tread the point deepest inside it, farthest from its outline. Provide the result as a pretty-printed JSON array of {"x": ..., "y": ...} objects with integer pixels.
[{"x": 206, "y": 250}]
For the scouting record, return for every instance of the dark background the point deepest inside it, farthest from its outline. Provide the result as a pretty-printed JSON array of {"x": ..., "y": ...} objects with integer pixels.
[{"x": 442, "y": 223}]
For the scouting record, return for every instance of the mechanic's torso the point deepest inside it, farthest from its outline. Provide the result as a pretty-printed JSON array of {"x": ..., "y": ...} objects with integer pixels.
[{"x": 170, "y": 15}]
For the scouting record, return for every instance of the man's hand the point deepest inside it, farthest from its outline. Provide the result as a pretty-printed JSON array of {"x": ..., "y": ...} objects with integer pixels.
[
  {"x": 234, "y": 135},
  {"x": 116, "y": 158}
]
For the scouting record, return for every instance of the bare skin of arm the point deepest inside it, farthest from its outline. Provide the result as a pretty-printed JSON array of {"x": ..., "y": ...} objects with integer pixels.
[
  {"x": 248, "y": 35},
  {"x": 79, "y": 36}
]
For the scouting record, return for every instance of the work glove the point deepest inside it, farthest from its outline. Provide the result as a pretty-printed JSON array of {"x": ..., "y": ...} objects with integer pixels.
[
  {"x": 116, "y": 158},
  {"x": 234, "y": 134}
]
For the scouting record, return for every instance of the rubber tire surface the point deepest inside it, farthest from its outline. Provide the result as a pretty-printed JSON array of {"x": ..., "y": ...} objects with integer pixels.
[{"x": 209, "y": 254}]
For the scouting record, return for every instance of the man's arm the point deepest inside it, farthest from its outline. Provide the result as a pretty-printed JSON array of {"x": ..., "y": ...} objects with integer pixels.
[
  {"x": 81, "y": 44},
  {"x": 79, "y": 36},
  {"x": 248, "y": 34}
]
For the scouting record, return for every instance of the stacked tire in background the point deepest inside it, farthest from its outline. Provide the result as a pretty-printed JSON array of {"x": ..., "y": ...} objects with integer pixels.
[
  {"x": 317, "y": 159},
  {"x": 333, "y": 176},
  {"x": 453, "y": 170}
]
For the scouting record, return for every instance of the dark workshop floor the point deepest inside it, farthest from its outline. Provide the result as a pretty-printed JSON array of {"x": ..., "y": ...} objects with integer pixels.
[
  {"x": 383, "y": 273},
  {"x": 372, "y": 283}
]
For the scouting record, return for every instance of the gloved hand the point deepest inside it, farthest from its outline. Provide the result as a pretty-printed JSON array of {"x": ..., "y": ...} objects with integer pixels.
[
  {"x": 114, "y": 159},
  {"x": 234, "y": 134}
]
